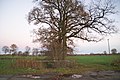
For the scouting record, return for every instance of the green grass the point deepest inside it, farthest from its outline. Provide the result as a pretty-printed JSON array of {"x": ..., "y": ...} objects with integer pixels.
[
  {"x": 5, "y": 66},
  {"x": 8, "y": 64},
  {"x": 83, "y": 63},
  {"x": 105, "y": 60},
  {"x": 97, "y": 62}
]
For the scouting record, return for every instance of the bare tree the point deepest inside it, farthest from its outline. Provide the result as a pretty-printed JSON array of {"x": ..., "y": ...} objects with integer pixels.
[
  {"x": 5, "y": 49},
  {"x": 67, "y": 19}
]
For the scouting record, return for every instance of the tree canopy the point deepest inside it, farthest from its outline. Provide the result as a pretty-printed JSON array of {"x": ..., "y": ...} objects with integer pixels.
[{"x": 62, "y": 20}]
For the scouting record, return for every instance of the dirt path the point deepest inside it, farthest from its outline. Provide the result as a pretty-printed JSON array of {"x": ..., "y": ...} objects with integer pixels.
[{"x": 98, "y": 75}]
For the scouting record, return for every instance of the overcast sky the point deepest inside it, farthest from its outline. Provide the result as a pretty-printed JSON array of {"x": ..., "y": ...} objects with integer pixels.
[{"x": 14, "y": 28}]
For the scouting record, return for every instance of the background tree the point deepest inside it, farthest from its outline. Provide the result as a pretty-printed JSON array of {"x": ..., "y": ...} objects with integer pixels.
[
  {"x": 67, "y": 19},
  {"x": 20, "y": 53},
  {"x": 27, "y": 50},
  {"x": 13, "y": 48},
  {"x": 5, "y": 49},
  {"x": 70, "y": 51},
  {"x": 35, "y": 51},
  {"x": 104, "y": 52},
  {"x": 114, "y": 51}
]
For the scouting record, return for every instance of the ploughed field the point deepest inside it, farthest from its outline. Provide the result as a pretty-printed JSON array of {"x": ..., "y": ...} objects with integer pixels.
[{"x": 80, "y": 64}]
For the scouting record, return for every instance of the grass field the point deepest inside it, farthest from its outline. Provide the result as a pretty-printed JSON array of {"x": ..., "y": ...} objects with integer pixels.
[
  {"x": 9, "y": 64},
  {"x": 103, "y": 60}
]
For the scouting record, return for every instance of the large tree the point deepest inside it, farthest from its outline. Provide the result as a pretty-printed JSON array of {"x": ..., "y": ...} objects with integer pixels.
[{"x": 62, "y": 20}]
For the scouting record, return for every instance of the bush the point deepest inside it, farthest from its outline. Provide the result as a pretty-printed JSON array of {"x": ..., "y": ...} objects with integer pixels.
[
  {"x": 59, "y": 63},
  {"x": 28, "y": 63}
]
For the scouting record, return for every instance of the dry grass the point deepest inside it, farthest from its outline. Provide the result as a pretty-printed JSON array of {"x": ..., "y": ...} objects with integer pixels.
[{"x": 28, "y": 63}]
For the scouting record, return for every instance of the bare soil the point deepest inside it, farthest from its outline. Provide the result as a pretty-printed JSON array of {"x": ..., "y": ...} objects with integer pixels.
[{"x": 97, "y": 75}]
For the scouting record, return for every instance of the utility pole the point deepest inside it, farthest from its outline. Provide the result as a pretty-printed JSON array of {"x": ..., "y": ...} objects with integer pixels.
[{"x": 108, "y": 46}]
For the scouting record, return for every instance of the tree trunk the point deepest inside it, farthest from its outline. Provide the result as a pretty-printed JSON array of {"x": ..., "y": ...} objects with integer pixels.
[
  {"x": 64, "y": 48},
  {"x": 64, "y": 41}
]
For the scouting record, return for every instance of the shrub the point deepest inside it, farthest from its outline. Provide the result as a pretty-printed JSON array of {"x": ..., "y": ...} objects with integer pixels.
[
  {"x": 59, "y": 64},
  {"x": 28, "y": 63}
]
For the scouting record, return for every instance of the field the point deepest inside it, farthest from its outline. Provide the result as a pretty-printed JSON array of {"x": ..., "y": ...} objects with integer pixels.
[{"x": 32, "y": 64}]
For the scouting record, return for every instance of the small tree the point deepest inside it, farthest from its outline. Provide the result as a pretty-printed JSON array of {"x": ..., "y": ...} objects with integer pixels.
[
  {"x": 20, "y": 53},
  {"x": 27, "y": 50},
  {"x": 104, "y": 52},
  {"x": 35, "y": 51},
  {"x": 13, "y": 48},
  {"x": 5, "y": 49},
  {"x": 114, "y": 51}
]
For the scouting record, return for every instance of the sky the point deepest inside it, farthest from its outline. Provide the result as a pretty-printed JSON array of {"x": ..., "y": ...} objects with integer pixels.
[{"x": 14, "y": 29}]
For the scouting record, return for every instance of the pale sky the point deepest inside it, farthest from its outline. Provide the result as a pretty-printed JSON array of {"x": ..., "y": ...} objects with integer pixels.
[{"x": 14, "y": 28}]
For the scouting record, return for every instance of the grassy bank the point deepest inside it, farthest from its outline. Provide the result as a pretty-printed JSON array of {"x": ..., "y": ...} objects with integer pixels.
[{"x": 14, "y": 64}]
